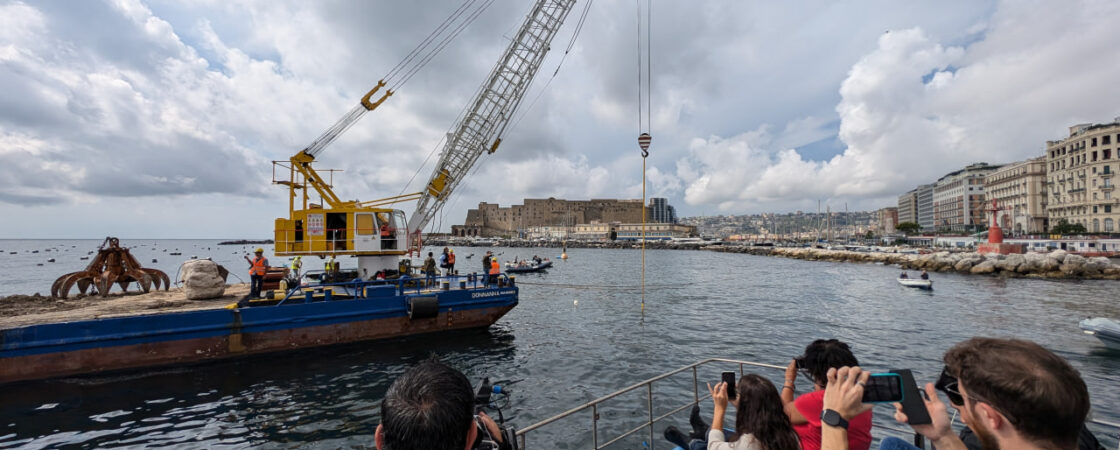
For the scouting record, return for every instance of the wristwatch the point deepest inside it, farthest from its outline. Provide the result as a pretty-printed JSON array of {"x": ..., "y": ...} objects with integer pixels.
[{"x": 832, "y": 418}]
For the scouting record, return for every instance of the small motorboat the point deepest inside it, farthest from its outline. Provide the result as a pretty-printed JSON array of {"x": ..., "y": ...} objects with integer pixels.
[
  {"x": 1107, "y": 330},
  {"x": 526, "y": 266},
  {"x": 916, "y": 283}
]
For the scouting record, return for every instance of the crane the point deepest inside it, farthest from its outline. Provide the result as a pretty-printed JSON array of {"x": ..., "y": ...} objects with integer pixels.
[{"x": 374, "y": 232}]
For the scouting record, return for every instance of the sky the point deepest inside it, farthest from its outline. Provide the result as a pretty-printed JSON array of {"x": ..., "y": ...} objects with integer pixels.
[{"x": 161, "y": 119}]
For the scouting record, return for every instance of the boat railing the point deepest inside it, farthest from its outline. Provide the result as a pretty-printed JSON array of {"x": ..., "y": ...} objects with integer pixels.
[{"x": 651, "y": 419}]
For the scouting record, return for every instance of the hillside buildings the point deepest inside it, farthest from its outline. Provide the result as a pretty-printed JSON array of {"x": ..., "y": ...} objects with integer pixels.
[{"x": 1080, "y": 176}]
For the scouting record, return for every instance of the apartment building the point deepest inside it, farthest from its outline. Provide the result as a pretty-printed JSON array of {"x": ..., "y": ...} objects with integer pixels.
[
  {"x": 1080, "y": 176},
  {"x": 908, "y": 207},
  {"x": 958, "y": 198},
  {"x": 924, "y": 203},
  {"x": 1020, "y": 190},
  {"x": 888, "y": 219}
]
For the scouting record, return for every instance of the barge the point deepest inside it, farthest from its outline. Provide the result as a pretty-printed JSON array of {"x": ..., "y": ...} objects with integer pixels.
[{"x": 310, "y": 317}]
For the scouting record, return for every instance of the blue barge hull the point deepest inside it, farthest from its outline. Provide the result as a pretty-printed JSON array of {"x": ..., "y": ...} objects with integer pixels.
[{"x": 381, "y": 311}]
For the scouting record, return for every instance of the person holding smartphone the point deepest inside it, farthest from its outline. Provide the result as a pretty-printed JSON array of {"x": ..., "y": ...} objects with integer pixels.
[
  {"x": 805, "y": 411},
  {"x": 760, "y": 422}
]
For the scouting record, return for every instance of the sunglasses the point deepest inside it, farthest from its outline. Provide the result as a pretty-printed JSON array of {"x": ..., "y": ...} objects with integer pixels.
[{"x": 949, "y": 384}]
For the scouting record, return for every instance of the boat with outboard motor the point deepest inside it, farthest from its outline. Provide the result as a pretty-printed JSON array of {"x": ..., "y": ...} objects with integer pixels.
[
  {"x": 1107, "y": 330},
  {"x": 527, "y": 266},
  {"x": 308, "y": 316},
  {"x": 916, "y": 283}
]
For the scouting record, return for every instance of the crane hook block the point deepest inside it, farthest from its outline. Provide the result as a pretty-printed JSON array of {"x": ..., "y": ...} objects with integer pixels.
[
  {"x": 643, "y": 142},
  {"x": 365, "y": 100},
  {"x": 494, "y": 147}
]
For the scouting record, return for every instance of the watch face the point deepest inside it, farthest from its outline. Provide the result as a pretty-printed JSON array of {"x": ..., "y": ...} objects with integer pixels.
[{"x": 832, "y": 418}]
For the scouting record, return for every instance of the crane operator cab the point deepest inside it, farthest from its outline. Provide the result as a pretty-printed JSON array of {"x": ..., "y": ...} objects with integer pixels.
[{"x": 375, "y": 235}]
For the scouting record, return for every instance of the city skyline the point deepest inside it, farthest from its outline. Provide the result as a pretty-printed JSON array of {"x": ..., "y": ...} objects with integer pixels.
[{"x": 159, "y": 119}]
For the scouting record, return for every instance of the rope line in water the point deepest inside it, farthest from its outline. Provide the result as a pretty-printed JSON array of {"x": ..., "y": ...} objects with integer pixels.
[{"x": 599, "y": 286}]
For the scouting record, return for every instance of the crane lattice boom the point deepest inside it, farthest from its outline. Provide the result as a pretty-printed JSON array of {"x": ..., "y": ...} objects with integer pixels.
[{"x": 480, "y": 129}]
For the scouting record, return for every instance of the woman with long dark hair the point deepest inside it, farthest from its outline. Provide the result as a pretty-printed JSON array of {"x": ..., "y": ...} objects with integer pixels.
[
  {"x": 760, "y": 422},
  {"x": 804, "y": 411}
]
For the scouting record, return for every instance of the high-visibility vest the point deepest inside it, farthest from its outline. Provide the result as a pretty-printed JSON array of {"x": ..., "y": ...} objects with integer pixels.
[
  {"x": 297, "y": 264},
  {"x": 494, "y": 267},
  {"x": 259, "y": 267},
  {"x": 451, "y": 258}
]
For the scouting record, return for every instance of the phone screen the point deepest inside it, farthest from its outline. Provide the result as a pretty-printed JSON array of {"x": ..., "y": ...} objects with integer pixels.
[
  {"x": 883, "y": 388},
  {"x": 729, "y": 378}
]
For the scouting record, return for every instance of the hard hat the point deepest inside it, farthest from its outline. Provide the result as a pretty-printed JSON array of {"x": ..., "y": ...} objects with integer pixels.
[
  {"x": 452, "y": 250},
  {"x": 259, "y": 250},
  {"x": 297, "y": 258}
]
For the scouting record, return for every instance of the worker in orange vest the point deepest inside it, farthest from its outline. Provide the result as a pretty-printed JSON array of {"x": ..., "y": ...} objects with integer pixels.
[
  {"x": 258, "y": 266},
  {"x": 495, "y": 269}
]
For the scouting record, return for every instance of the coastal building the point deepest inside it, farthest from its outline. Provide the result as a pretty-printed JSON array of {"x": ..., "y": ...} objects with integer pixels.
[
  {"x": 546, "y": 232},
  {"x": 908, "y": 207},
  {"x": 958, "y": 198},
  {"x": 888, "y": 219},
  {"x": 654, "y": 231},
  {"x": 1020, "y": 191},
  {"x": 661, "y": 211},
  {"x": 923, "y": 200},
  {"x": 1080, "y": 177},
  {"x": 492, "y": 220}
]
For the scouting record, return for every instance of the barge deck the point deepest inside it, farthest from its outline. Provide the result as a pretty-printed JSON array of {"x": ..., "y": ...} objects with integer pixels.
[{"x": 134, "y": 331}]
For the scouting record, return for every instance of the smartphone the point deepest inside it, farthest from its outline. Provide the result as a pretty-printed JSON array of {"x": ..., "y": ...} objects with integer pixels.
[
  {"x": 731, "y": 380},
  {"x": 913, "y": 403},
  {"x": 883, "y": 388}
]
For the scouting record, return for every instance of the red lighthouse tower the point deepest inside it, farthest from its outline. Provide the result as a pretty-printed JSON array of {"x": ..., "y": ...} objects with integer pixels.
[{"x": 995, "y": 236}]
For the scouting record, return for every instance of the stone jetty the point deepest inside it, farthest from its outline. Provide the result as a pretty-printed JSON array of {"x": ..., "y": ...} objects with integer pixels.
[{"x": 1056, "y": 264}]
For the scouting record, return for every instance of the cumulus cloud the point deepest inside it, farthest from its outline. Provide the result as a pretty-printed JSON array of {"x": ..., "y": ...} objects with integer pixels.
[
  {"x": 107, "y": 102},
  {"x": 914, "y": 109}
]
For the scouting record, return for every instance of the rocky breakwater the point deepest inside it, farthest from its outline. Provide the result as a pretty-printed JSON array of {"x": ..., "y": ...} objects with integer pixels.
[{"x": 1056, "y": 264}]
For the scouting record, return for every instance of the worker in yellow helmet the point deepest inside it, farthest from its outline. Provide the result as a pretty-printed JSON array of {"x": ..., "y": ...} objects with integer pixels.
[
  {"x": 258, "y": 266},
  {"x": 297, "y": 263}
]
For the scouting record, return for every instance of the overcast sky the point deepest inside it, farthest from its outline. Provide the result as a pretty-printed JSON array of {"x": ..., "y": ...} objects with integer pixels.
[{"x": 160, "y": 118}]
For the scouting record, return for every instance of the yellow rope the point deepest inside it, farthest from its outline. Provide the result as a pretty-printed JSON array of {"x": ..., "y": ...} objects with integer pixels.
[{"x": 643, "y": 234}]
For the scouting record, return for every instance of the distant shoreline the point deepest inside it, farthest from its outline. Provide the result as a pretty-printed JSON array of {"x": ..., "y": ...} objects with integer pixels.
[{"x": 246, "y": 242}]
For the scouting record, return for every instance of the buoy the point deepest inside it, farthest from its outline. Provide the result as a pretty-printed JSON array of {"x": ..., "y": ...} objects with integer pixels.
[
  {"x": 50, "y": 260},
  {"x": 575, "y": 302},
  {"x": 563, "y": 256}
]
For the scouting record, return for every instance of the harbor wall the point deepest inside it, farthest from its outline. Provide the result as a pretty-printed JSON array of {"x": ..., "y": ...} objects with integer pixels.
[{"x": 1056, "y": 264}]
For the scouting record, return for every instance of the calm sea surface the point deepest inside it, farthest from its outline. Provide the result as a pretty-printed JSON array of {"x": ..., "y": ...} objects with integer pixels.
[{"x": 579, "y": 333}]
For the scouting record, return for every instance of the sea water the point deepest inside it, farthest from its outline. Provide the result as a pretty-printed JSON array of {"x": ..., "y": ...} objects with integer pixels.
[{"x": 579, "y": 333}]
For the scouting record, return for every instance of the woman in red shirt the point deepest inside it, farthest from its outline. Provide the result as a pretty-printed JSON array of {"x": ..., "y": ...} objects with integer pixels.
[{"x": 805, "y": 411}]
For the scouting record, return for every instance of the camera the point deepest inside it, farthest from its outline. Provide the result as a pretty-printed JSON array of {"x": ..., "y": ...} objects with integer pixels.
[{"x": 490, "y": 396}]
